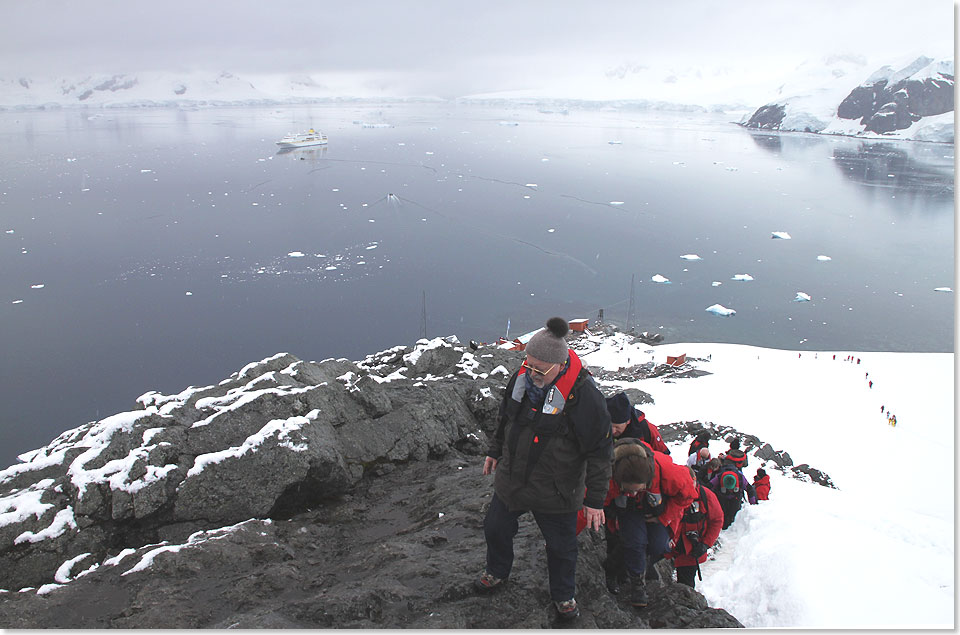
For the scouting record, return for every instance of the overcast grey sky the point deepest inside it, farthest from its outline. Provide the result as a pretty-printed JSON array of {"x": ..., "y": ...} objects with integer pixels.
[{"x": 491, "y": 41}]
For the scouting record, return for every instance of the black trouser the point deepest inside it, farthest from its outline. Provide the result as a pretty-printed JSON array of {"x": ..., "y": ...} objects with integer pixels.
[
  {"x": 730, "y": 509},
  {"x": 614, "y": 565},
  {"x": 687, "y": 575},
  {"x": 559, "y": 532}
]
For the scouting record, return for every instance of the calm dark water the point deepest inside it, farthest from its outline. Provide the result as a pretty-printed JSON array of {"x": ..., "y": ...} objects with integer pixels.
[{"x": 163, "y": 240}]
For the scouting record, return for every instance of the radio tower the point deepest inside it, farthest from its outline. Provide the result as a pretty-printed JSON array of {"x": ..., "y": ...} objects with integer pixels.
[
  {"x": 631, "y": 311},
  {"x": 423, "y": 317}
]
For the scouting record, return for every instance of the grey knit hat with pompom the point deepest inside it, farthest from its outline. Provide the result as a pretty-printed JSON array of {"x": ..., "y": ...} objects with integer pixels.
[{"x": 548, "y": 344}]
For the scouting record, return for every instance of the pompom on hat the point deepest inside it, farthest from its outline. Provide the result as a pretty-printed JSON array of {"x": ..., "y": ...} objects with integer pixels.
[{"x": 548, "y": 344}]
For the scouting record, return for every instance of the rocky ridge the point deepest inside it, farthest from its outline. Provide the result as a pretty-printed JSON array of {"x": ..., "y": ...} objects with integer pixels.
[{"x": 299, "y": 494}]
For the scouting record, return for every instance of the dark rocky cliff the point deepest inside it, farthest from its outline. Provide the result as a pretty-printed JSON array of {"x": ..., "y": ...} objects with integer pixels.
[{"x": 295, "y": 494}]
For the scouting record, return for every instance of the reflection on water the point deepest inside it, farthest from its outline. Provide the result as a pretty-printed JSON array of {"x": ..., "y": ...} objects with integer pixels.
[
  {"x": 889, "y": 166},
  {"x": 908, "y": 168}
]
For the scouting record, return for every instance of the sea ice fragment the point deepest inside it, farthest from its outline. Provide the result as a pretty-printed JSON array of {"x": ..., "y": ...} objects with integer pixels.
[{"x": 719, "y": 309}]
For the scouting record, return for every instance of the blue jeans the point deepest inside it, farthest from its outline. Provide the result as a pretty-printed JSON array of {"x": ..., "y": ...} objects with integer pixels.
[
  {"x": 558, "y": 530},
  {"x": 640, "y": 540}
]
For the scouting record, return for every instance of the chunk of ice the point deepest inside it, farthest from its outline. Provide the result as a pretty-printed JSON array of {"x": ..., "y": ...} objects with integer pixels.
[
  {"x": 296, "y": 254},
  {"x": 715, "y": 283},
  {"x": 824, "y": 258},
  {"x": 781, "y": 235},
  {"x": 944, "y": 289},
  {"x": 801, "y": 297},
  {"x": 660, "y": 279},
  {"x": 691, "y": 257},
  {"x": 743, "y": 277},
  {"x": 719, "y": 309}
]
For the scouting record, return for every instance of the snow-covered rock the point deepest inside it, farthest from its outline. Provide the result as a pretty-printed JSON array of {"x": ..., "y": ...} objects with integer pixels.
[{"x": 908, "y": 100}]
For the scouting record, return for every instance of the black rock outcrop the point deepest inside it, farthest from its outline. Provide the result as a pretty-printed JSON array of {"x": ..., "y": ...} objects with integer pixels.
[{"x": 885, "y": 105}]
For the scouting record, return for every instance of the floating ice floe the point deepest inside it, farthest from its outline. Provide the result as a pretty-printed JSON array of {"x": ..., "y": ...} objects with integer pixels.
[
  {"x": 715, "y": 283},
  {"x": 944, "y": 289},
  {"x": 9, "y": 231},
  {"x": 616, "y": 202},
  {"x": 781, "y": 235},
  {"x": 36, "y": 286},
  {"x": 530, "y": 185},
  {"x": 145, "y": 171},
  {"x": 743, "y": 277},
  {"x": 824, "y": 258},
  {"x": 801, "y": 297},
  {"x": 660, "y": 279},
  {"x": 691, "y": 257},
  {"x": 296, "y": 254},
  {"x": 719, "y": 309},
  {"x": 551, "y": 230},
  {"x": 18, "y": 301}
]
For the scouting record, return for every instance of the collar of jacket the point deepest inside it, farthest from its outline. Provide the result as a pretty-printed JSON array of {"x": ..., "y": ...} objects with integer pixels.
[{"x": 558, "y": 393}]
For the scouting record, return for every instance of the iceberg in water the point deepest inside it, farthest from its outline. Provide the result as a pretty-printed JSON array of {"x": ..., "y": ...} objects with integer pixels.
[
  {"x": 660, "y": 279},
  {"x": 719, "y": 309},
  {"x": 824, "y": 258},
  {"x": 691, "y": 257},
  {"x": 944, "y": 289},
  {"x": 781, "y": 235},
  {"x": 745, "y": 277},
  {"x": 715, "y": 283},
  {"x": 801, "y": 297}
]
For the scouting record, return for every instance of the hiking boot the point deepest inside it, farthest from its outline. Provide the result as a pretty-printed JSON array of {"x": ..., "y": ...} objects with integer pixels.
[
  {"x": 568, "y": 609},
  {"x": 638, "y": 592},
  {"x": 488, "y": 583},
  {"x": 613, "y": 583}
]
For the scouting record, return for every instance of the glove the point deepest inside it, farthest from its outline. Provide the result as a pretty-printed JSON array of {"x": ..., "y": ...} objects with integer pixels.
[{"x": 697, "y": 549}]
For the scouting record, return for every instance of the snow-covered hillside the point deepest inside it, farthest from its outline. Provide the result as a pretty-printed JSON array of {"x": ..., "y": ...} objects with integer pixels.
[
  {"x": 878, "y": 551},
  {"x": 194, "y": 88},
  {"x": 842, "y": 94}
]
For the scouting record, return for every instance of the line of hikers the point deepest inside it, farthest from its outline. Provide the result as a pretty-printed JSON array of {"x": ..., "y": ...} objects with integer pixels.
[{"x": 576, "y": 459}]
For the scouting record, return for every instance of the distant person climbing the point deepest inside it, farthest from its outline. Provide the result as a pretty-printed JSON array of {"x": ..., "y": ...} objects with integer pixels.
[
  {"x": 628, "y": 423},
  {"x": 553, "y": 440},
  {"x": 647, "y": 496},
  {"x": 761, "y": 483},
  {"x": 698, "y": 530},
  {"x": 735, "y": 455},
  {"x": 707, "y": 471},
  {"x": 730, "y": 485},
  {"x": 702, "y": 440},
  {"x": 698, "y": 459}
]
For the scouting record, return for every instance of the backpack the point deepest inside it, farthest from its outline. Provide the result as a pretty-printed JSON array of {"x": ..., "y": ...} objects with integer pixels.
[
  {"x": 698, "y": 509},
  {"x": 729, "y": 483}
]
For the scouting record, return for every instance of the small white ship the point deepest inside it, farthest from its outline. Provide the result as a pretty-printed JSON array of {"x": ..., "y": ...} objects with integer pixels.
[{"x": 303, "y": 139}]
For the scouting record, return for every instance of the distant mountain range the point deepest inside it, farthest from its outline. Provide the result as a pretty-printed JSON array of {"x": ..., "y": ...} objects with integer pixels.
[
  {"x": 914, "y": 100},
  {"x": 907, "y": 99}
]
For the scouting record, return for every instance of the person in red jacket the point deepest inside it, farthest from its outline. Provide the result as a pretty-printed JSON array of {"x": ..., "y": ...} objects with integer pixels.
[
  {"x": 761, "y": 483},
  {"x": 697, "y": 532},
  {"x": 647, "y": 495},
  {"x": 628, "y": 422}
]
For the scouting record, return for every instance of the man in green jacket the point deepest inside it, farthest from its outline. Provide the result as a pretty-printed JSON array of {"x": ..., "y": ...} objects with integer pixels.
[{"x": 550, "y": 456}]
